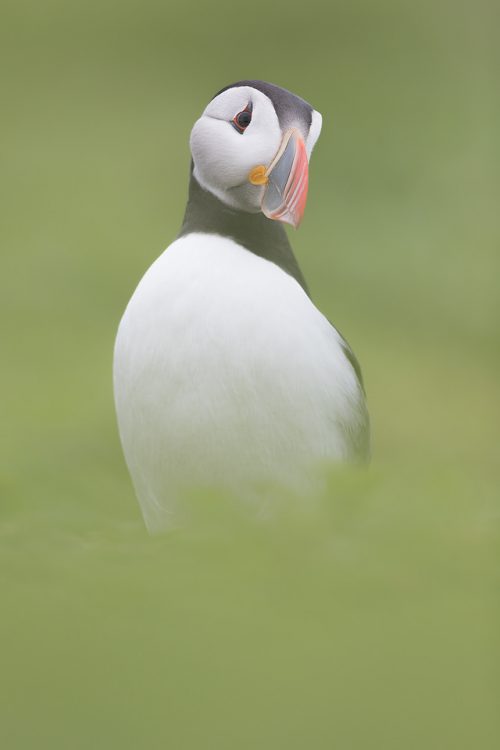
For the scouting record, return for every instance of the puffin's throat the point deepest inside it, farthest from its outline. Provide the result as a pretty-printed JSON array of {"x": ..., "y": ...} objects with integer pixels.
[{"x": 266, "y": 238}]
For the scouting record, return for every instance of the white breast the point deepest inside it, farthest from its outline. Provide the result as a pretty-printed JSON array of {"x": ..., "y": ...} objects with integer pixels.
[{"x": 226, "y": 374}]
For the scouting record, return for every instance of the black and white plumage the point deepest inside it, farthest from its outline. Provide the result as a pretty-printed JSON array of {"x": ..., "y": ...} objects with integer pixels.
[{"x": 225, "y": 373}]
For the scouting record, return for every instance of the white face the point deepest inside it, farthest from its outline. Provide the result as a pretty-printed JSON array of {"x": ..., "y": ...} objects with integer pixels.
[{"x": 224, "y": 157}]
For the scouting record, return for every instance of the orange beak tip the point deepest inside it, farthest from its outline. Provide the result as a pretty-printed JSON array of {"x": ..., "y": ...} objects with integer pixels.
[{"x": 286, "y": 192}]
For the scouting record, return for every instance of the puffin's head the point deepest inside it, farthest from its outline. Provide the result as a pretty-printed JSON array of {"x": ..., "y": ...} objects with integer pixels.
[{"x": 251, "y": 149}]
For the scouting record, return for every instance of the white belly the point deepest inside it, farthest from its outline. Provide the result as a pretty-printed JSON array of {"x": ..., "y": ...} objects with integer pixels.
[{"x": 227, "y": 375}]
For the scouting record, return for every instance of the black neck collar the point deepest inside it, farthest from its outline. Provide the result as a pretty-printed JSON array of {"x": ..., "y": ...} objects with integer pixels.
[{"x": 255, "y": 232}]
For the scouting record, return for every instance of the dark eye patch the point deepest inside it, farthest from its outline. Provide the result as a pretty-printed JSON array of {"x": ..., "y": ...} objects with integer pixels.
[{"x": 242, "y": 120}]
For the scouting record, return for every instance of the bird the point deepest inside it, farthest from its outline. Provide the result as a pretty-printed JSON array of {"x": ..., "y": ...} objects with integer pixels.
[{"x": 226, "y": 375}]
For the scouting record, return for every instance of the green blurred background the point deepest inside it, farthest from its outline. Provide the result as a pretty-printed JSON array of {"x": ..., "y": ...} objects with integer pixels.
[{"x": 370, "y": 620}]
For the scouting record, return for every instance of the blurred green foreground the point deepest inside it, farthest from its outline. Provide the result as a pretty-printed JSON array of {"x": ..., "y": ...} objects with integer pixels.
[{"x": 369, "y": 616}]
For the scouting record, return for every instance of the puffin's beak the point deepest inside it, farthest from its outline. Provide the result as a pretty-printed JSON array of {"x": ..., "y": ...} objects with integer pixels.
[{"x": 286, "y": 180}]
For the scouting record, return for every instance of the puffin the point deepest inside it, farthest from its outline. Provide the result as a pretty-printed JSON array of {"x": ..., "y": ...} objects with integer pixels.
[{"x": 226, "y": 375}]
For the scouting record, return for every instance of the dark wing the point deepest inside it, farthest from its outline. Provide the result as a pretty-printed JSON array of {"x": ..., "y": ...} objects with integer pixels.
[
  {"x": 360, "y": 435},
  {"x": 351, "y": 357}
]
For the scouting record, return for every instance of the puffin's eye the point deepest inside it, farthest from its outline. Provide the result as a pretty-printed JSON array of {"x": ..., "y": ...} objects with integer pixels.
[{"x": 242, "y": 120}]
